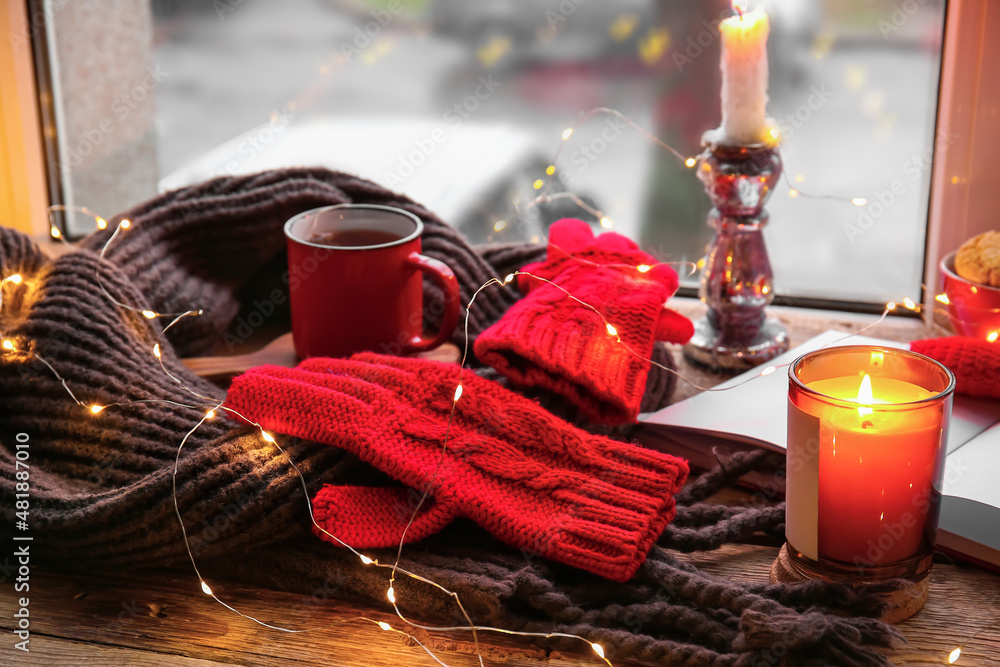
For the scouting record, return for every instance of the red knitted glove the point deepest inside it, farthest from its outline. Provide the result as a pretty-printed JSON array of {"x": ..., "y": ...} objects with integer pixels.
[
  {"x": 529, "y": 478},
  {"x": 550, "y": 340},
  {"x": 974, "y": 361}
]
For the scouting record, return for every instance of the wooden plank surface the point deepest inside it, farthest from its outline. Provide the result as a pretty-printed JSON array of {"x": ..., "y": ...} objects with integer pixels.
[{"x": 163, "y": 618}]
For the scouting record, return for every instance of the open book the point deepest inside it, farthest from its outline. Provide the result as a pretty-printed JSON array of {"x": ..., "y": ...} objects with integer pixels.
[{"x": 751, "y": 412}]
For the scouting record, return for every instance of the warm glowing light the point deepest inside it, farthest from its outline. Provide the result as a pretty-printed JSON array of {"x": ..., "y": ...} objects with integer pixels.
[
  {"x": 538, "y": 184},
  {"x": 908, "y": 303},
  {"x": 148, "y": 314},
  {"x": 96, "y": 408},
  {"x": 567, "y": 133},
  {"x": 606, "y": 222},
  {"x": 391, "y": 594},
  {"x": 642, "y": 268},
  {"x": 499, "y": 225},
  {"x": 690, "y": 162},
  {"x": 101, "y": 223},
  {"x": 267, "y": 436},
  {"x": 942, "y": 298},
  {"x": 8, "y": 345},
  {"x": 865, "y": 396},
  {"x": 612, "y": 330},
  {"x": 205, "y": 589},
  {"x": 859, "y": 201},
  {"x": 510, "y": 277},
  {"x": 125, "y": 224},
  {"x": 156, "y": 350},
  {"x": 799, "y": 178},
  {"x": 992, "y": 336},
  {"x": 210, "y": 414},
  {"x": 954, "y": 655},
  {"x": 774, "y": 133},
  {"x": 16, "y": 279},
  {"x": 366, "y": 560},
  {"x": 458, "y": 392},
  {"x": 598, "y": 649},
  {"x": 55, "y": 232},
  {"x": 768, "y": 370},
  {"x": 793, "y": 193},
  {"x": 551, "y": 169},
  {"x": 891, "y": 305},
  {"x": 384, "y": 625}
]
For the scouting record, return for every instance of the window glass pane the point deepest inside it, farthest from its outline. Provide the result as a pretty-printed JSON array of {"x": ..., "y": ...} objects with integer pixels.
[{"x": 462, "y": 106}]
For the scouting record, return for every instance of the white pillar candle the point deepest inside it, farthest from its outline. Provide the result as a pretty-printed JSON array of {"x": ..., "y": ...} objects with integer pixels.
[{"x": 744, "y": 78}]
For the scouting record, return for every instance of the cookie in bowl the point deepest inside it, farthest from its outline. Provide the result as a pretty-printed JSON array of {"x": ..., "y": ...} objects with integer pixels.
[{"x": 978, "y": 260}]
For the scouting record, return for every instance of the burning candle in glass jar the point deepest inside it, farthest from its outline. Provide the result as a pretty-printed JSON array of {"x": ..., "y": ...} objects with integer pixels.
[
  {"x": 866, "y": 429},
  {"x": 744, "y": 76}
]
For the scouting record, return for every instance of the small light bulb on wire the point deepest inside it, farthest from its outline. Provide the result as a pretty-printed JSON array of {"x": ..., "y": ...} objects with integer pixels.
[
  {"x": 954, "y": 655},
  {"x": 612, "y": 330},
  {"x": 96, "y": 408},
  {"x": 598, "y": 649},
  {"x": 385, "y": 626},
  {"x": 365, "y": 559},
  {"x": 567, "y": 133},
  {"x": 148, "y": 314},
  {"x": 551, "y": 169},
  {"x": 992, "y": 336},
  {"x": 156, "y": 350},
  {"x": 16, "y": 279},
  {"x": 606, "y": 222},
  {"x": 458, "y": 393},
  {"x": 210, "y": 414},
  {"x": 391, "y": 594},
  {"x": 690, "y": 162},
  {"x": 859, "y": 201},
  {"x": 643, "y": 268},
  {"x": 55, "y": 232},
  {"x": 267, "y": 436},
  {"x": 8, "y": 345},
  {"x": 205, "y": 589},
  {"x": 538, "y": 184},
  {"x": 125, "y": 224},
  {"x": 101, "y": 223}
]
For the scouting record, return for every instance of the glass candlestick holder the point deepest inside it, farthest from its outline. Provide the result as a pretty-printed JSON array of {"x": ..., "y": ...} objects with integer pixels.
[{"x": 736, "y": 281}]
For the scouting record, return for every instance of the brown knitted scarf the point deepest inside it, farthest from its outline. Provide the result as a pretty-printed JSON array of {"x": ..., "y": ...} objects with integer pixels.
[{"x": 102, "y": 484}]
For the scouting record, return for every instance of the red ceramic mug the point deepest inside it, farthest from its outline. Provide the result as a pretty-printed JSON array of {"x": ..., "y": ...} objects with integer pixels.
[{"x": 355, "y": 282}]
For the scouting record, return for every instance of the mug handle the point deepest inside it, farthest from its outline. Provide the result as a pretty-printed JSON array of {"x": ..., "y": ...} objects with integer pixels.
[{"x": 446, "y": 280}]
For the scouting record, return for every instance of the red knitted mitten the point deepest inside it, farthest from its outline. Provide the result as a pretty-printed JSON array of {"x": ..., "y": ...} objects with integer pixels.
[
  {"x": 974, "y": 361},
  {"x": 550, "y": 340},
  {"x": 529, "y": 478}
]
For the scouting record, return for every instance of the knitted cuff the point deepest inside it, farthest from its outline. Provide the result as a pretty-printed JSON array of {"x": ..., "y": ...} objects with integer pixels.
[
  {"x": 595, "y": 372},
  {"x": 974, "y": 361},
  {"x": 608, "y": 522}
]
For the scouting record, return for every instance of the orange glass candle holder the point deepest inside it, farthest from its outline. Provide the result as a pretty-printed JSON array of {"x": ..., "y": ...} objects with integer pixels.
[{"x": 867, "y": 428}]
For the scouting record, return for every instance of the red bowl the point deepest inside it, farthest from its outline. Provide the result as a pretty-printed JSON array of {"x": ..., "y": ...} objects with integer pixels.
[{"x": 974, "y": 308}]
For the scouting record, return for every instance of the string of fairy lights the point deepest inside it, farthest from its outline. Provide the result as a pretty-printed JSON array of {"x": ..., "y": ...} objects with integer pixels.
[
  {"x": 211, "y": 407},
  {"x": 546, "y": 183}
]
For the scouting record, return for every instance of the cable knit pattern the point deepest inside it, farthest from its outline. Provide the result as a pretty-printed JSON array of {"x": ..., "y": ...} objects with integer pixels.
[
  {"x": 529, "y": 478},
  {"x": 564, "y": 344},
  {"x": 102, "y": 485},
  {"x": 974, "y": 361}
]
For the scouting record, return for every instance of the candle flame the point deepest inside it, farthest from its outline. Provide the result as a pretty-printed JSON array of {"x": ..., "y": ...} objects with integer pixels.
[{"x": 865, "y": 395}]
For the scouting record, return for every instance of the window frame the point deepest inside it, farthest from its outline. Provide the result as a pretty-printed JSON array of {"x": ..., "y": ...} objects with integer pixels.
[{"x": 960, "y": 176}]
